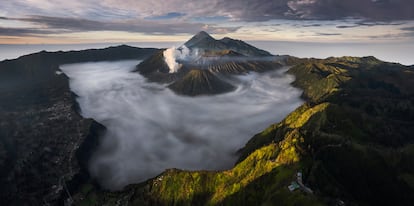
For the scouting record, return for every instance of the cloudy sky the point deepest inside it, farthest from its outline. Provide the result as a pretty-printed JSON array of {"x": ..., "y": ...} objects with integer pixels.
[{"x": 92, "y": 21}]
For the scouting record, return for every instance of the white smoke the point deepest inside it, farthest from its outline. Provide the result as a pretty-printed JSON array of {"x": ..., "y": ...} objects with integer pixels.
[
  {"x": 150, "y": 129},
  {"x": 172, "y": 57}
]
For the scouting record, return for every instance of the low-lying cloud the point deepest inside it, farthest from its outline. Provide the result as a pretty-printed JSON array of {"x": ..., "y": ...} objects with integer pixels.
[{"x": 150, "y": 129}]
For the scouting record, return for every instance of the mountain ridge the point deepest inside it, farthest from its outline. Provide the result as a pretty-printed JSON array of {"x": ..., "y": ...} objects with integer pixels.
[{"x": 202, "y": 40}]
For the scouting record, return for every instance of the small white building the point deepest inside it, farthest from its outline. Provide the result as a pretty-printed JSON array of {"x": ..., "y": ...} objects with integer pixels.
[{"x": 293, "y": 186}]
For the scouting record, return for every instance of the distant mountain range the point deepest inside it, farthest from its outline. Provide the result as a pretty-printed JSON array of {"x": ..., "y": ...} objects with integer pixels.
[
  {"x": 352, "y": 140},
  {"x": 216, "y": 58}
]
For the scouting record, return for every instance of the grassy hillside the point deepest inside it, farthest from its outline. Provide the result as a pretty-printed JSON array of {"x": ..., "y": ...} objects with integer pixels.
[{"x": 352, "y": 140}]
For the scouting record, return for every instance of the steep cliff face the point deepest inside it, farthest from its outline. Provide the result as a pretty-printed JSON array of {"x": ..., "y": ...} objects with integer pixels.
[
  {"x": 44, "y": 142},
  {"x": 352, "y": 142}
]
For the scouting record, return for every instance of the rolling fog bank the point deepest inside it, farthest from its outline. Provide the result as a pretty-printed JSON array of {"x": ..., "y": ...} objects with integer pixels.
[{"x": 151, "y": 129}]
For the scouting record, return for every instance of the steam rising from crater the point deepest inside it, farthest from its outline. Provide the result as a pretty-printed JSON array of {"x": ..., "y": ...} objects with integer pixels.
[
  {"x": 172, "y": 56},
  {"x": 150, "y": 129}
]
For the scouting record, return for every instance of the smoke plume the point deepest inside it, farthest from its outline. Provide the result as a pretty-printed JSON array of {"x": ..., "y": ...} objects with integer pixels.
[
  {"x": 150, "y": 129},
  {"x": 173, "y": 56}
]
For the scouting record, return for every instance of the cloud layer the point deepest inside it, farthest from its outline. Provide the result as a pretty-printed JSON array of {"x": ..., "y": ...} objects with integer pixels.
[
  {"x": 249, "y": 10},
  {"x": 54, "y": 21},
  {"x": 151, "y": 129},
  {"x": 181, "y": 16},
  {"x": 54, "y": 25}
]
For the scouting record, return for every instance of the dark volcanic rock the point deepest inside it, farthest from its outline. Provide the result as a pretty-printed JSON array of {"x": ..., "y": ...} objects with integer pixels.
[
  {"x": 199, "y": 82},
  {"x": 44, "y": 142},
  {"x": 243, "y": 67},
  {"x": 224, "y": 57},
  {"x": 203, "y": 40},
  {"x": 243, "y": 48},
  {"x": 155, "y": 69}
]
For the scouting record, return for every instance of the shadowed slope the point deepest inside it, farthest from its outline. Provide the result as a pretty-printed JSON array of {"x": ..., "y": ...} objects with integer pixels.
[{"x": 199, "y": 82}]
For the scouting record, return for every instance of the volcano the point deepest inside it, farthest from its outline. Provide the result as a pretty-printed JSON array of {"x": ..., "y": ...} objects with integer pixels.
[
  {"x": 202, "y": 64},
  {"x": 202, "y": 40}
]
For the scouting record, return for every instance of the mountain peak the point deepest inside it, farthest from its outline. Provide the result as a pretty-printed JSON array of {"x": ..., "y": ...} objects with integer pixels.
[
  {"x": 201, "y": 39},
  {"x": 202, "y": 34}
]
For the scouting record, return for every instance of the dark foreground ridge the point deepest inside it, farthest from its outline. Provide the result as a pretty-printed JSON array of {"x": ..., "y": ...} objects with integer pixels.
[
  {"x": 218, "y": 59},
  {"x": 44, "y": 143},
  {"x": 350, "y": 143}
]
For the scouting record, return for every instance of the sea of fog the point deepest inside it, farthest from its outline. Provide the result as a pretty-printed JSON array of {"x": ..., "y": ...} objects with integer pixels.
[
  {"x": 393, "y": 52},
  {"x": 150, "y": 129}
]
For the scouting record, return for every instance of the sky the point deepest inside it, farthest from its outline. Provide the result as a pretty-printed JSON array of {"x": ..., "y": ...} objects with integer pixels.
[{"x": 94, "y": 21}]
